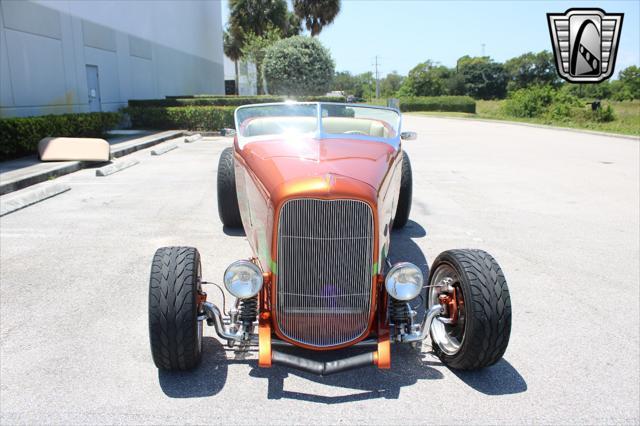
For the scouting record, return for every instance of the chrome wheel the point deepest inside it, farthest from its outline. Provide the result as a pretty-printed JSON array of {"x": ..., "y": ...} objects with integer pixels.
[{"x": 447, "y": 330}]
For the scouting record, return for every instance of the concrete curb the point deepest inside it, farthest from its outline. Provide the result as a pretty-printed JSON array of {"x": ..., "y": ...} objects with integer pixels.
[
  {"x": 116, "y": 153},
  {"x": 115, "y": 167},
  {"x": 7, "y": 186},
  {"x": 164, "y": 149},
  {"x": 539, "y": 126},
  {"x": 30, "y": 197},
  {"x": 192, "y": 138},
  {"x": 25, "y": 181}
]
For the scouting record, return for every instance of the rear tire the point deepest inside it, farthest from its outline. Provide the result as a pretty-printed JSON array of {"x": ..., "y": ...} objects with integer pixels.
[
  {"x": 406, "y": 193},
  {"x": 174, "y": 330},
  {"x": 487, "y": 310},
  {"x": 228, "y": 208}
]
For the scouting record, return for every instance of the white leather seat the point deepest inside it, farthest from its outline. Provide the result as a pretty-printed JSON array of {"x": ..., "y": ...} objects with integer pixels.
[{"x": 333, "y": 125}]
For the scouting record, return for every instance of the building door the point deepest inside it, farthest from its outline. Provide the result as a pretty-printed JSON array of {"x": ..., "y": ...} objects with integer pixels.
[{"x": 94, "y": 89}]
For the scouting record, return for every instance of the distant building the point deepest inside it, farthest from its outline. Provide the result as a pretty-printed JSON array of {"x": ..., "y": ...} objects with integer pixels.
[
  {"x": 80, "y": 56},
  {"x": 248, "y": 84}
]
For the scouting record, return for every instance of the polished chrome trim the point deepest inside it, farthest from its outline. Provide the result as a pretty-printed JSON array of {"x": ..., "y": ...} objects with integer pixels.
[
  {"x": 423, "y": 332},
  {"x": 325, "y": 270},
  {"x": 224, "y": 331}
]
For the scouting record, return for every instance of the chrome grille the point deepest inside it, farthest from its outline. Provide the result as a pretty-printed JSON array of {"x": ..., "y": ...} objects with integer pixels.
[{"x": 324, "y": 276}]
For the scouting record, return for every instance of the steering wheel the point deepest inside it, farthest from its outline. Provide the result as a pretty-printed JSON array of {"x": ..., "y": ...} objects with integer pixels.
[{"x": 356, "y": 132}]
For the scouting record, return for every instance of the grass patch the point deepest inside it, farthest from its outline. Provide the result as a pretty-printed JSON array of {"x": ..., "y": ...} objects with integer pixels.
[{"x": 627, "y": 117}]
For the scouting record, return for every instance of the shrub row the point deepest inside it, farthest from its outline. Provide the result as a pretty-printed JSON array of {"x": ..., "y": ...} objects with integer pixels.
[
  {"x": 439, "y": 103},
  {"x": 201, "y": 100},
  {"x": 20, "y": 135},
  {"x": 185, "y": 117},
  {"x": 548, "y": 103}
]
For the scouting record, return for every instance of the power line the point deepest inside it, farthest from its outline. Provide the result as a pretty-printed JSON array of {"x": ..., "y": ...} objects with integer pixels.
[{"x": 377, "y": 78}]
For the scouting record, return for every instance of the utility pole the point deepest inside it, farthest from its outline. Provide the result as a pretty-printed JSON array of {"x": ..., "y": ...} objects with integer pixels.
[
  {"x": 377, "y": 79},
  {"x": 482, "y": 48}
]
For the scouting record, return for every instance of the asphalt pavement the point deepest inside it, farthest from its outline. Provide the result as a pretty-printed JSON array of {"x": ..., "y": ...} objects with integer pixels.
[{"x": 559, "y": 211}]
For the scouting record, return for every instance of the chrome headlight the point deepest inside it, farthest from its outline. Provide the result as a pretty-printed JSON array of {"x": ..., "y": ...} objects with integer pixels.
[
  {"x": 404, "y": 281},
  {"x": 243, "y": 279}
]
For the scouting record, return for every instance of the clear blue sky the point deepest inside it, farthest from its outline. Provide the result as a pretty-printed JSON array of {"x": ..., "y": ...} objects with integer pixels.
[{"x": 404, "y": 33}]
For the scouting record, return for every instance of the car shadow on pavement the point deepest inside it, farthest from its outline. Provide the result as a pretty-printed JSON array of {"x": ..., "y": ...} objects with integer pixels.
[
  {"x": 207, "y": 379},
  {"x": 408, "y": 366},
  {"x": 499, "y": 379}
]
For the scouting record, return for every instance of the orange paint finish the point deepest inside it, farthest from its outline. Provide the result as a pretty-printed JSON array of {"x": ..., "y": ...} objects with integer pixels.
[
  {"x": 269, "y": 173},
  {"x": 264, "y": 340},
  {"x": 384, "y": 344}
]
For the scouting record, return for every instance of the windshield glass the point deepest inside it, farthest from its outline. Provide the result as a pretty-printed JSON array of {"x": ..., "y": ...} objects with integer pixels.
[
  {"x": 302, "y": 118},
  {"x": 359, "y": 120}
]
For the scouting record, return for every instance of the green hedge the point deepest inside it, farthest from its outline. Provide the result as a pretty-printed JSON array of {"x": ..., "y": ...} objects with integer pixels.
[
  {"x": 235, "y": 101},
  {"x": 185, "y": 117},
  {"x": 20, "y": 135},
  {"x": 439, "y": 103}
]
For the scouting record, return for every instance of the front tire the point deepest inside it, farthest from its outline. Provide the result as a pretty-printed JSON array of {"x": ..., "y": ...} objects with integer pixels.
[
  {"x": 406, "y": 194},
  {"x": 479, "y": 336},
  {"x": 228, "y": 208},
  {"x": 174, "y": 288}
]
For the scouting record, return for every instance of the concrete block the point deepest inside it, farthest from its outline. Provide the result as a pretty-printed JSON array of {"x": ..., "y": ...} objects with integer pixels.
[
  {"x": 115, "y": 167},
  {"x": 20, "y": 200},
  {"x": 193, "y": 138},
  {"x": 163, "y": 149}
]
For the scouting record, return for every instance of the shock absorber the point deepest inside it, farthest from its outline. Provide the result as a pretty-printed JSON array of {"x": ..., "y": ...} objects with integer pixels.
[
  {"x": 248, "y": 312},
  {"x": 398, "y": 311},
  {"x": 400, "y": 315}
]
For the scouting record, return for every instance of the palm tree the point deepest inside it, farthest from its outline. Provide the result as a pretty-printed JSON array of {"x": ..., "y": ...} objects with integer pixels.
[
  {"x": 256, "y": 16},
  {"x": 233, "y": 50},
  {"x": 316, "y": 13}
]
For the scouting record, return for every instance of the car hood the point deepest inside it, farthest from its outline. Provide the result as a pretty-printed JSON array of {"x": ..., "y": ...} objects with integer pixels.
[{"x": 278, "y": 162}]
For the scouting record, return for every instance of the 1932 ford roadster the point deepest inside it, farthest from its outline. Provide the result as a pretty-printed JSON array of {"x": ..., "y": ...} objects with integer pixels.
[{"x": 318, "y": 189}]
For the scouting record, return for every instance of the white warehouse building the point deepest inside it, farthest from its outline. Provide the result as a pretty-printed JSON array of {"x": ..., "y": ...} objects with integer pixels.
[{"x": 59, "y": 56}]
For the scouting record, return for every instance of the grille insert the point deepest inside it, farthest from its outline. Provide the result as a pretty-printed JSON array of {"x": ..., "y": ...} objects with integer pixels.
[{"x": 325, "y": 255}]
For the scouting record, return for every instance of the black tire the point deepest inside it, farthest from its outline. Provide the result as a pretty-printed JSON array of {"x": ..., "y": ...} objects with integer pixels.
[
  {"x": 487, "y": 325},
  {"x": 174, "y": 330},
  {"x": 406, "y": 192},
  {"x": 228, "y": 208}
]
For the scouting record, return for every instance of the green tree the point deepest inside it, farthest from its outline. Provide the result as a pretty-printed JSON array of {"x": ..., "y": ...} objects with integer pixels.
[
  {"x": 390, "y": 85},
  {"x": 294, "y": 25},
  {"x": 257, "y": 17},
  {"x": 316, "y": 14},
  {"x": 254, "y": 50},
  {"x": 630, "y": 79},
  {"x": 345, "y": 82},
  {"x": 483, "y": 78},
  {"x": 233, "y": 50},
  {"x": 298, "y": 66},
  {"x": 426, "y": 79},
  {"x": 602, "y": 90},
  {"x": 531, "y": 68}
]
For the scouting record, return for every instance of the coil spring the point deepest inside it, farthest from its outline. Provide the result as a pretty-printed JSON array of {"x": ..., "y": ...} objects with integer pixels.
[
  {"x": 248, "y": 311},
  {"x": 399, "y": 312}
]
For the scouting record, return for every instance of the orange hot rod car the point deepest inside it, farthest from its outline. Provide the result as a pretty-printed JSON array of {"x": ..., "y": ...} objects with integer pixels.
[{"x": 318, "y": 189}]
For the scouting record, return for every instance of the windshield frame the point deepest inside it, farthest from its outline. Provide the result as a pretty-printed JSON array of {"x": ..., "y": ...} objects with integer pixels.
[{"x": 319, "y": 133}]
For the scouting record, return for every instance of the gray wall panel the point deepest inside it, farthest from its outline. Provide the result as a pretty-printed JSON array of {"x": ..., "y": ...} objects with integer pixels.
[
  {"x": 36, "y": 69},
  {"x": 19, "y": 15},
  {"x": 139, "y": 47},
  {"x": 98, "y": 36},
  {"x": 142, "y": 79}
]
